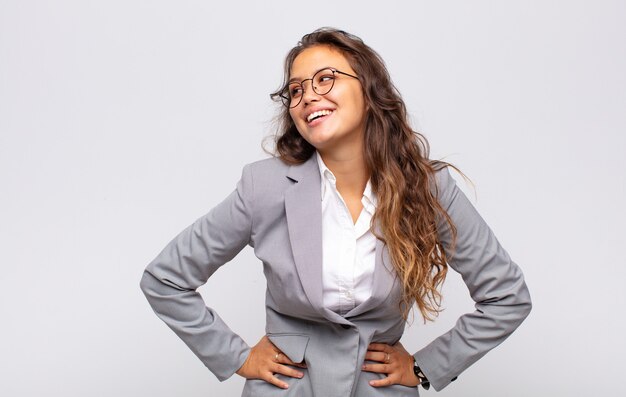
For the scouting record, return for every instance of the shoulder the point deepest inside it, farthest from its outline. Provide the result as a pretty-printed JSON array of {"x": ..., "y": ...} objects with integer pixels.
[
  {"x": 266, "y": 179},
  {"x": 441, "y": 172},
  {"x": 269, "y": 166},
  {"x": 443, "y": 185},
  {"x": 265, "y": 172}
]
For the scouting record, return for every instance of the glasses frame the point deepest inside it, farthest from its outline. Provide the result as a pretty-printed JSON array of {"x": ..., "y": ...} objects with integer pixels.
[{"x": 284, "y": 93}]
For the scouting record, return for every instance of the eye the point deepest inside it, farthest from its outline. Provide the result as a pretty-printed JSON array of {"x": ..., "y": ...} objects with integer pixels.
[
  {"x": 325, "y": 78},
  {"x": 294, "y": 90}
]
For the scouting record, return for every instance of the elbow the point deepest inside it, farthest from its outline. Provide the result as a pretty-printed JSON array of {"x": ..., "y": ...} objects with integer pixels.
[
  {"x": 143, "y": 284},
  {"x": 522, "y": 302},
  {"x": 158, "y": 287},
  {"x": 527, "y": 306},
  {"x": 146, "y": 284},
  {"x": 522, "y": 307},
  {"x": 525, "y": 301},
  {"x": 508, "y": 313}
]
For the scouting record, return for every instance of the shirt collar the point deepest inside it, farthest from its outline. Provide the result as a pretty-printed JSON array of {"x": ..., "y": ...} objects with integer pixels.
[
  {"x": 369, "y": 198},
  {"x": 325, "y": 173}
]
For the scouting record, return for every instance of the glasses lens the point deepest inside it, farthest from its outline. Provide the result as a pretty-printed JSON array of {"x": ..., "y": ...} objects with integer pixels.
[
  {"x": 294, "y": 93},
  {"x": 323, "y": 81}
]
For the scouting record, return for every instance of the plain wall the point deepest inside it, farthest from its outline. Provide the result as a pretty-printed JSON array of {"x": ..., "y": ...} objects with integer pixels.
[{"x": 121, "y": 122}]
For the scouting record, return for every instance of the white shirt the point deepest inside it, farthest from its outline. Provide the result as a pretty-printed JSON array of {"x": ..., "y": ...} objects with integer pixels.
[{"x": 349, "y": 249}]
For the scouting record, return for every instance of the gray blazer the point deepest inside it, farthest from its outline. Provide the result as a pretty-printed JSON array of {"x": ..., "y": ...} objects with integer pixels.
[{"x": 276, "y": 209}]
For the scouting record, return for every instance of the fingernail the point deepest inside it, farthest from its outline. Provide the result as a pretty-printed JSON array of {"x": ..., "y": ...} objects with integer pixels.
[
  {"x": 300, "y": 375},
  {"x": 371, "y": 383},
  {"x": 363, "y": 367}
]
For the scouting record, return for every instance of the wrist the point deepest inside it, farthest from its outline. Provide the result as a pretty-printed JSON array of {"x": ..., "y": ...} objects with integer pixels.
[{"x": 423, "y": 380}]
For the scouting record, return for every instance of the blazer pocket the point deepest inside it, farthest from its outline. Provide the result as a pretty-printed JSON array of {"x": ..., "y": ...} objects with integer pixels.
[{"x": 293, "y": 345}]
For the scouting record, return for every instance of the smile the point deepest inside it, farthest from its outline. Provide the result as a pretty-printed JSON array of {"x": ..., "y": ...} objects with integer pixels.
[{"x": 318, "y": 114}]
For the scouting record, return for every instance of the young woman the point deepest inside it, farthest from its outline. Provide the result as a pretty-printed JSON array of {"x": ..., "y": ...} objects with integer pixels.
[{"x": 354, "y": 225}]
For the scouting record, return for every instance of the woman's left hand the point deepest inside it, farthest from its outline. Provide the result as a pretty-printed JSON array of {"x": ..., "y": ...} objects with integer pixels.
[{"x": 394, "y": 361}]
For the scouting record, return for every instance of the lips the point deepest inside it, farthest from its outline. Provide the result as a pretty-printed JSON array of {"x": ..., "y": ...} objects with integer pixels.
[{"x": 318, "y": 114}]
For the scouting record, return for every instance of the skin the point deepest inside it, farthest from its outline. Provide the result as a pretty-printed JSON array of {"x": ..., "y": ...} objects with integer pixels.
[{"x": 339, "y": 138}]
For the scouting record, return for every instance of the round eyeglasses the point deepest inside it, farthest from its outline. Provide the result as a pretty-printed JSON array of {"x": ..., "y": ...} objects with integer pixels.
[{"x": 322, "y": 82}]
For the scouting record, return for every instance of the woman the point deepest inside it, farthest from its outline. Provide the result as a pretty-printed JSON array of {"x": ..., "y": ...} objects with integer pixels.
[{"x": 339, "y": 292}]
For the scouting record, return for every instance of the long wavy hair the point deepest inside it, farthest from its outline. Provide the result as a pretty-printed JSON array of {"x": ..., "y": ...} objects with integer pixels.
[{"x": 402, "y": 175}]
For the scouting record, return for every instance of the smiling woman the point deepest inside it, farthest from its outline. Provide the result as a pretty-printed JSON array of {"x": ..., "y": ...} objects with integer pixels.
[{"x": 354, "y": 225}]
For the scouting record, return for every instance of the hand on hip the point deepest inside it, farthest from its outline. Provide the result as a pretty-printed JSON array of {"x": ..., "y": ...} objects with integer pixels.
[
  {"x": 265, "y": 360},
  {"x": 394, "y": 361}
]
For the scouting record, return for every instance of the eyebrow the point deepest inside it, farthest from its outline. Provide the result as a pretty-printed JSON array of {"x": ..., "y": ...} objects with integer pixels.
[{"x": 294, "y": 79}]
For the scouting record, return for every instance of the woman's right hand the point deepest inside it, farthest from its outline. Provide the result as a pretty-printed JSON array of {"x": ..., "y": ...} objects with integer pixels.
[{"x": 265, "y": 360}]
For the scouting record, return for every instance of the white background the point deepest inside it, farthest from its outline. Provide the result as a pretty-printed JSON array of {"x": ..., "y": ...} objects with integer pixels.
[{"x": 121, "y": 122}]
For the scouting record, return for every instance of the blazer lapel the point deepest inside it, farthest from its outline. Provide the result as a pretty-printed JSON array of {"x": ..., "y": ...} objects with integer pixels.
[{"x": 303, "y": 208}]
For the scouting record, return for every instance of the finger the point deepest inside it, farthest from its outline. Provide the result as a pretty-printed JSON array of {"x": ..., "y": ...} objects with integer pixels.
[
  {"x": 270, "y": 378},
  {"x": 287, "y": 371},
  {"x": 378, "y": 356},
  {"x": 382, "y": 382},
  {"x": 379, "y": 368},
  {"x": 380, "y": 347},
  {"x": 371, "y": 355},
  {"x": 281, "y": 358}
]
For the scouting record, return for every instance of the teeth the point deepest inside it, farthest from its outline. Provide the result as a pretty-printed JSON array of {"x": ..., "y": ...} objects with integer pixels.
[{"x": 317, "y": 114}]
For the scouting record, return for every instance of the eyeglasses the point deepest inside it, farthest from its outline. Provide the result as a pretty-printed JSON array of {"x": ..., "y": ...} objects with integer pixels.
[{"x": 322, "y": 82}]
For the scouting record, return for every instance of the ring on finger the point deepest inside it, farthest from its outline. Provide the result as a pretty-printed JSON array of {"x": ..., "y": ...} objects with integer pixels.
[
  {"x": 387, "y": 358},
  {"x": 276, "y": 357}
]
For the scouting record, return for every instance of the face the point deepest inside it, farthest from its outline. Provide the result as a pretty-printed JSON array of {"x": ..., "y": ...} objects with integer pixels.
[{"x": 342, "y": 110}]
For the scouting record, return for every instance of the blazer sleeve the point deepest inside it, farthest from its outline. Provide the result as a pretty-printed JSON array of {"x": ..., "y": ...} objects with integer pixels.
[
  {"x": 495, "y": 282},
  {"x": 170, "y": 281}
]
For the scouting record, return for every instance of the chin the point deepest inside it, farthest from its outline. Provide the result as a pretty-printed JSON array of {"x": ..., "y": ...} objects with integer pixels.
[{"x": 320, "y": 142}]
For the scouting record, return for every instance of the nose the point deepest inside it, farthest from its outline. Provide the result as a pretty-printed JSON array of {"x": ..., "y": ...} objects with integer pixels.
[{"x": 309, "y": 93}]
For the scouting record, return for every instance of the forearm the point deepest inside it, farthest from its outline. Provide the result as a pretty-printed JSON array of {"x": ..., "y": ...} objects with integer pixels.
[
  {"x": 220, "y": 349},
  {"x": 471, "y": 338}
]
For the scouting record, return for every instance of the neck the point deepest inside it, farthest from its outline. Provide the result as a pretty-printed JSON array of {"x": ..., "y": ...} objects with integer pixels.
[{"x": 350, "y": 169}]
